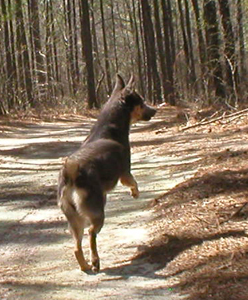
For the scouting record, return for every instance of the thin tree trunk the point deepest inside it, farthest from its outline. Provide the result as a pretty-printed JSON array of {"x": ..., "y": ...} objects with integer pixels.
[
  {"x": 125, "y": 35},
  {"x": 9, "y": 66},
  {"x": 56, "y": 70},
  {"x": 229, "y": 50},
  {"x": 75, "y": 43},
  {"x": 114, "y": 36},
  {"x": 186, "y": 45},
  {"x": 133, "y": 19},
  {"x": 23, "y": 58},
  {"x": 67, "y": 48},
  {"x": 12, "y": 51},
  {"x": 87, "y": 52},
  {"x": 106, "y": 52},
  {"x": 151, "y": 50},
  {"x": 39, "y": 61},
  {"x": 147, "y": 73},
  {"x": 243, "y": 71},
  {"x": 49, "y": 51},
  {"x": 71, "y": 47},
  {"x": 213, "y": 46},
  {"x": 147, "y": 92},
  {"x": 169, "y": 50},
  {"x": 201, "y": 42},
  {"x": 190, "y": 43},
  {"x": 98, "y": 68},
  {"x": 32, "y": 51},
  {"x": 159, "y": 41},
  {"x": 171, "y": 31}
]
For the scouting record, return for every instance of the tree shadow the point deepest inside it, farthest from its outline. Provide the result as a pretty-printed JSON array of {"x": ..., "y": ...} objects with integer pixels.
[
  {"x": 206, "y": 186},
  {"x": 25, "y": 129},
  {"x": 162, "y": 252},
  {"x": 46, "y": 150},
  {"x": 32, "y": 233}
]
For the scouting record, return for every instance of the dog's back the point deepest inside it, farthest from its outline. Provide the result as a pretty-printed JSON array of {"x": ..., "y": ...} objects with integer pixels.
[{"x": 91, "y": 170}]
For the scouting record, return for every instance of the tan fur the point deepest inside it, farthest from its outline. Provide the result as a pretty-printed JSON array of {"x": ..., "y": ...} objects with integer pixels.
[
  {"x": 129, "y": 181},
  {"x": 136, "y": 114},
  {"x": 71, "y": 167}
]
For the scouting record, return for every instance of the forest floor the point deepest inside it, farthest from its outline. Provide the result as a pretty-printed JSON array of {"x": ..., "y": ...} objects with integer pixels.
[{"x": 184, "y": 238}]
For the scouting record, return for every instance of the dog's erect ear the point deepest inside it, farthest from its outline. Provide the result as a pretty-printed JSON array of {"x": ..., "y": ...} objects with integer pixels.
[
  {"x": 129, "y": 88},
  {"x": 131, "y": 83},
  {"x": 119, "y": 84}
]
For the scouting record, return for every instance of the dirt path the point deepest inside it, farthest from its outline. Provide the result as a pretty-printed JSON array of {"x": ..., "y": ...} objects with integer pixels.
[
  {"x": 197, "y": 216},
  {"x": 36, "y": 251}
]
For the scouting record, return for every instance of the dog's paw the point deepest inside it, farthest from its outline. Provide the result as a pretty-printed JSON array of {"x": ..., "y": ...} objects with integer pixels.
[
  {"x": 86, "y": 267},
  {"x": 135, "y": 193},
  {"x": 95, "y": 266}
]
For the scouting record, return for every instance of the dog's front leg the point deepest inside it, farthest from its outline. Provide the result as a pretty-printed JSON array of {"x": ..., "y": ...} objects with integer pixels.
[{"x": 128, "y": 180}]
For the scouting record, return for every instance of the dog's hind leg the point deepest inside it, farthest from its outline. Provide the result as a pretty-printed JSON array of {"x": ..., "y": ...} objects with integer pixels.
[
  {"x": 96, "y": 226},
  {"x": 76, "y": 225},
  {"x": 75, "y": 220}
]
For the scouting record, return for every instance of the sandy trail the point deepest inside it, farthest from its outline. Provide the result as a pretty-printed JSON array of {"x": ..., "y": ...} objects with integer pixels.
[{"x": 36, "y": 252}]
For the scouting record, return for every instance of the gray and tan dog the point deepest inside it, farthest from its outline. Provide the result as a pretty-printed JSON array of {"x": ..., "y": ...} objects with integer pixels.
[{"x": 94, "y": 170}]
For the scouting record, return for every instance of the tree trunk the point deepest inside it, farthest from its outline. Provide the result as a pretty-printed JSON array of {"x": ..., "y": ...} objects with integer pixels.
[
  {"x": 187, "y": 43},
  {"x": 23, "y": 59},
  {"x": 229, "y": 50},
  {"x": 243, "y": 71},
  {"x": 49, "y": 51},
  {"x": 75, "y": 43},
  {"x": 9, "y": 67},
  {"x": 151, "y": 51},
  {"x": 56, "y": 69},
  {"x": 106, "y": 52},
  {"x": 133, "y": 17},
  {"x": 87, "y": 53},
  {"x": 114, "y": 36},
  {"x": 38, "y": 58},
  {"x": 213, "y": 46},
  {"x": 123, "y": 12},
  {"x": 190, "y": 43},
  {"x": 71, "y": 47},
  {"x": 159, "y": 41},
  {"x": 139, "y": 51},
  {"x": 201, "y": 42},
  {"x": 13, "y": 51},
  {"x": 98, "y": 65},
  {"x": 67, "y": 48},
  {"x": 169, "y": 49},
  {"x": 171, "y": 30}
]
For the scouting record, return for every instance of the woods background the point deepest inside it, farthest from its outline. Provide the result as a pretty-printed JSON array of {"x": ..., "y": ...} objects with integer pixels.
[{"x": 66, "y": 53}]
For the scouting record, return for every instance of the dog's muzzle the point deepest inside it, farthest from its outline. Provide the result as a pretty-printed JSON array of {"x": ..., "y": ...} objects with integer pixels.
[{"x": 148, "y": 113}]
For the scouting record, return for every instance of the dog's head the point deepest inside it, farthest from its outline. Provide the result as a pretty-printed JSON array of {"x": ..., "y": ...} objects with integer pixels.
[{"x": 140, "y": 111}]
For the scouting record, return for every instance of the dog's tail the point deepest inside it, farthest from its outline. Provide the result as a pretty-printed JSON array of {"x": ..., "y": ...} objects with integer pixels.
[
  {"x": 70, "y": 170},
  {"x": 67, "y": 178},
  {"x": 71, "y": 197}
]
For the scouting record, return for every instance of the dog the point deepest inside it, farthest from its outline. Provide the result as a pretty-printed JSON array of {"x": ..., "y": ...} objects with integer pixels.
[{"x": 94, "y": 170}]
